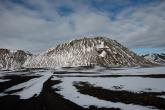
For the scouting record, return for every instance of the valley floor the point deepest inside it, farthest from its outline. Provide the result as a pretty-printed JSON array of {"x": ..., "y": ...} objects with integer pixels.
[{"x": 81, "y": 88}]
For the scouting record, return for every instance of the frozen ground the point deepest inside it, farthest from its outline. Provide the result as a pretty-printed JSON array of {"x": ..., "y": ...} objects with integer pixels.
[
  {"x": 133, "y": 84},
  {"x": 69, "y": 92},
  {"x": 29, "y": 84}
]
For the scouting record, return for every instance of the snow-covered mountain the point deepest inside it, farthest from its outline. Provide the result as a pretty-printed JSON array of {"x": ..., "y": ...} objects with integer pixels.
[
  {"x": 86, "y": 52},
  {"x": 11, "y": 60},
  {"x": 98, "y": 51},
  {"x": 155, "y": 58}
]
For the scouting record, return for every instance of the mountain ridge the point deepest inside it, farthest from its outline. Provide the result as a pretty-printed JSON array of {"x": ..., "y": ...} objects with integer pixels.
[
  {"x": 87, "y": 52},
  {"x": 155, "y": 58},
  {"x": 100, "y": 51},
  {"x": 12, "y": 59}
]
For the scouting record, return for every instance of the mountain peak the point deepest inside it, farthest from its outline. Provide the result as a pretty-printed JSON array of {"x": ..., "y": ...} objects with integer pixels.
[
  {"x": 100, "y": 51},
  {"x": 87, "y": 52}
]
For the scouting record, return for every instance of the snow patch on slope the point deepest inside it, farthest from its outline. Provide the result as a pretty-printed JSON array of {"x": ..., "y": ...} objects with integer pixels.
[{"x": 103, "y": 54}]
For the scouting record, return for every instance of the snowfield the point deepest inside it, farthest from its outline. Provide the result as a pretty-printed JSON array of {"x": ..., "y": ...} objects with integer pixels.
[
  {"x": 133, "y": 80},
  {"x": 69, "y": 92},
  {"x": 31, "y": 87}
]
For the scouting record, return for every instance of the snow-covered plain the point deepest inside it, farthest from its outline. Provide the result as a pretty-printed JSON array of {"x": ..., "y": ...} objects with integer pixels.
[
  {"x": 133, "y": 84},
  {"x": 162, "y": 96},
  {"x": 4, "y": 80},
  {"x": 70, "y": 76},
  {"x": 140, "y": 71},
  {"x": 69, "y": 92},
  {"x": 31, "y": 87},
  {"x": 102, "y": 71}
]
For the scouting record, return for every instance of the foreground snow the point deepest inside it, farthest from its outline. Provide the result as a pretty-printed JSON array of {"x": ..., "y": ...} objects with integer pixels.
[
  {"x": 4, "y": 80},
  {"x": 102, "y": 71},
  {"x": 69, "y": 76},
  {"x": 132, "y": 84},
  {"x": 141, "y": 71},
  {"x": 31, "y": 87},
  {"x": 70, "y": 92}
]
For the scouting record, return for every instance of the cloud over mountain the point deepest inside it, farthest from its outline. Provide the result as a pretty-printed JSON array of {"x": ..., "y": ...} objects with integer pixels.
[{"x": 36, "y": 25}]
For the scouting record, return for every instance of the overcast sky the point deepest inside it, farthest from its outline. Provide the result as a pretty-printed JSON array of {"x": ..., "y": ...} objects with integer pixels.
[{"x": 36, "y": 25}]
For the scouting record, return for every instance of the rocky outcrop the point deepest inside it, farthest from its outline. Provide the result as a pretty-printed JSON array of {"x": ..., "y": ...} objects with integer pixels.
[{"x": 12, "y": 60}]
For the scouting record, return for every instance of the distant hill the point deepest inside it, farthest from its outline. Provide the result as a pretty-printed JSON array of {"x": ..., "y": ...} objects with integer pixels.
[
  {"x": 155, "y": 58},
  {"x": 12, "y": 60}
]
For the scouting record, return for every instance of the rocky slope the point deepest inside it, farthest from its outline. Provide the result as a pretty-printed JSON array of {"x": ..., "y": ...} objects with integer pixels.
[
  {"x": 87, "y": 52},
  {"x": 155, "y": 58},
  {"x": 12, "y": 60}
]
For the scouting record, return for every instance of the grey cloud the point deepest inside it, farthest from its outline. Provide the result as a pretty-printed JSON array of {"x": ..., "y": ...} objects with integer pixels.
[{"x": 40, "y": 29}]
